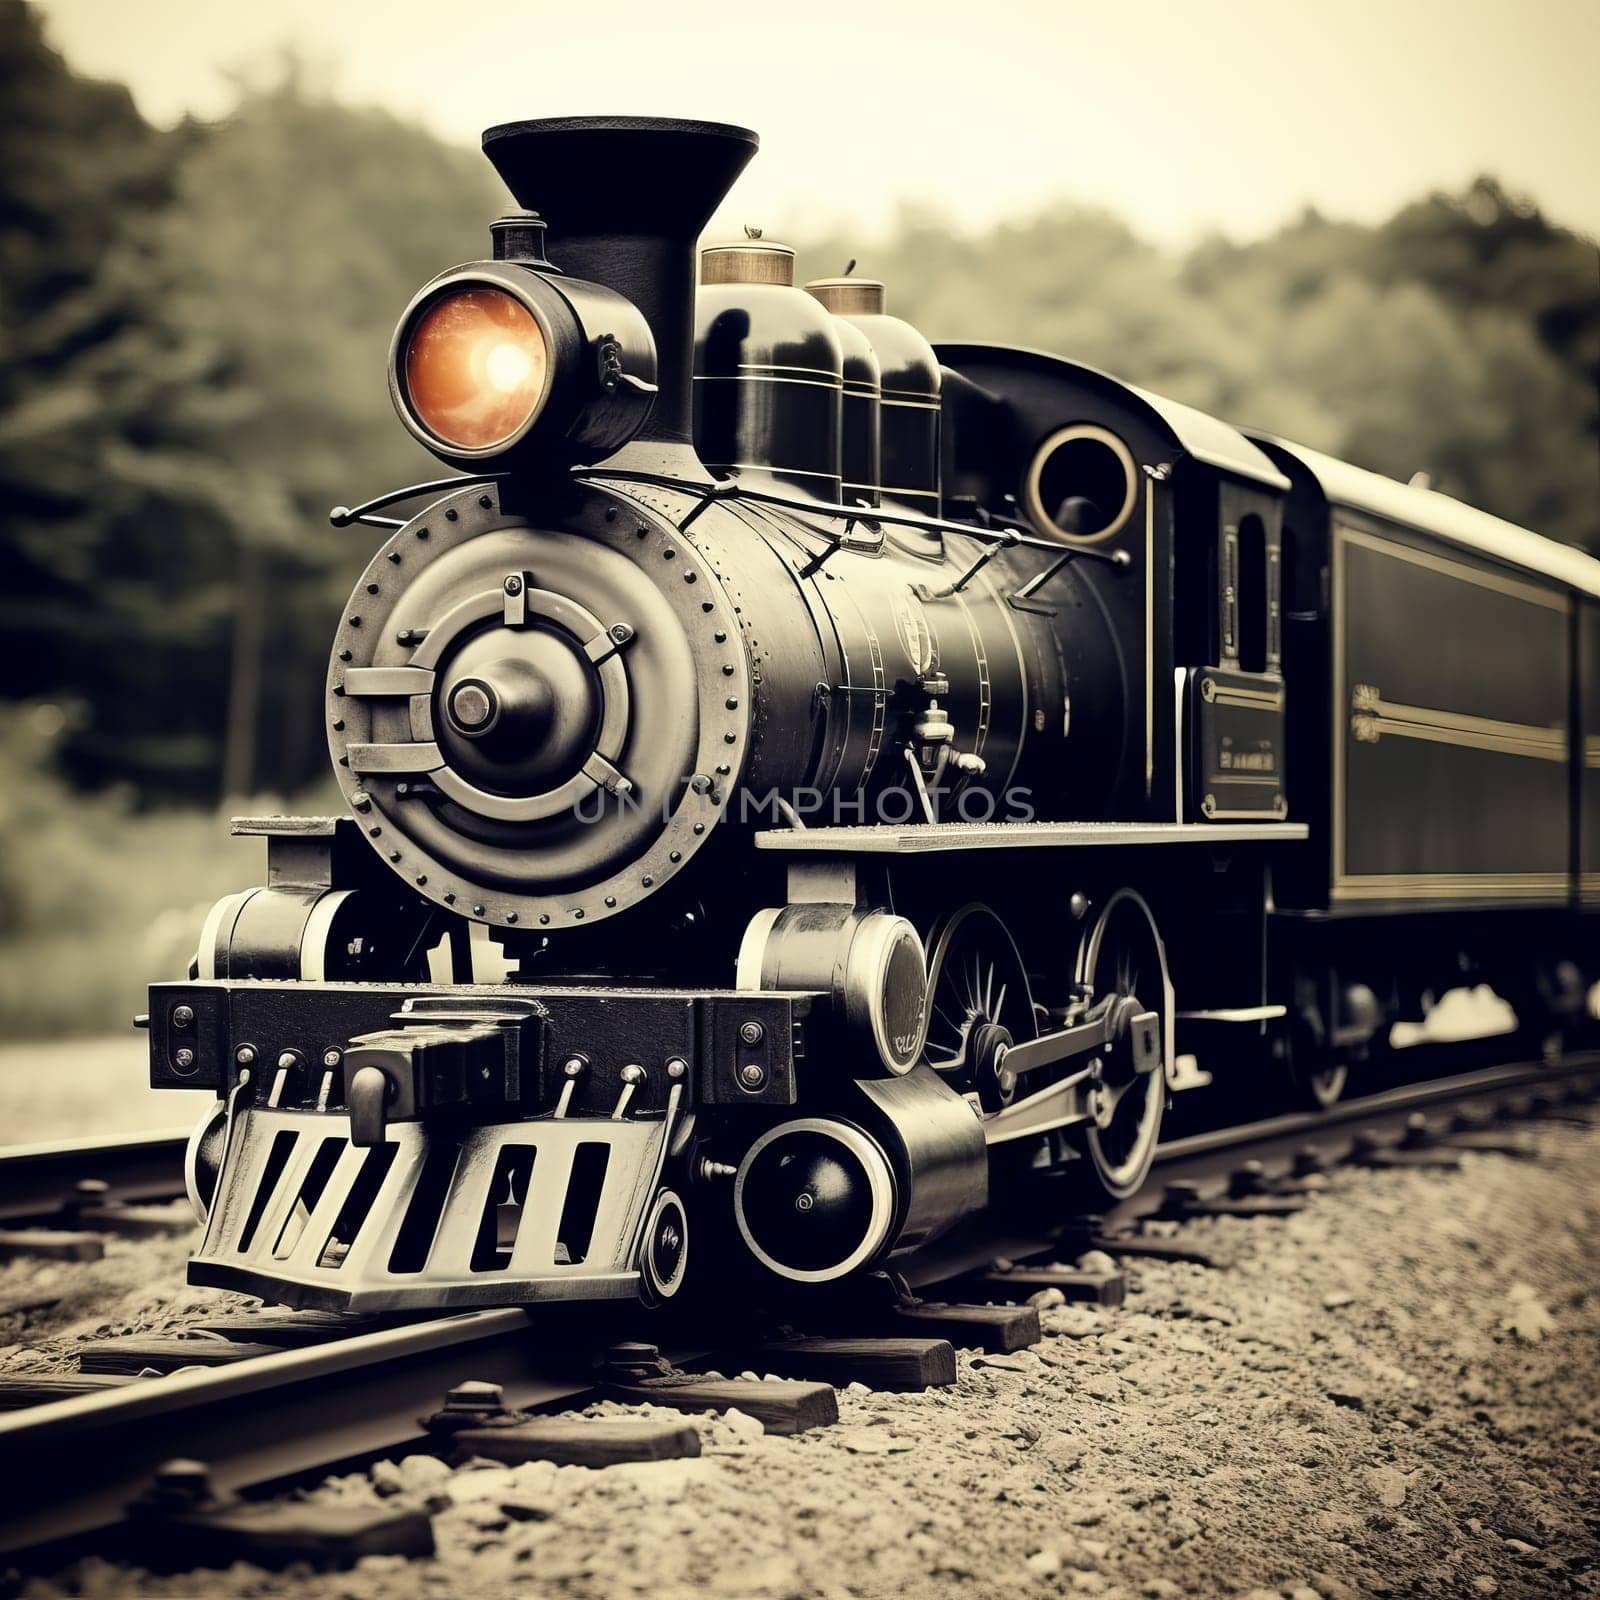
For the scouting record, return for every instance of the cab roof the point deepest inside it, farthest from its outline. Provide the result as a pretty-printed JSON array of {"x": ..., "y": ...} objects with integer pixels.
[
  {"x": 1202, "y": 437},
  {"x": 1438, "y": 515}
]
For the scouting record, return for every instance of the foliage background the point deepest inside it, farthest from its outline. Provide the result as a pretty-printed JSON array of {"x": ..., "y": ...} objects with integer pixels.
[{"x": 193, "y": 329}]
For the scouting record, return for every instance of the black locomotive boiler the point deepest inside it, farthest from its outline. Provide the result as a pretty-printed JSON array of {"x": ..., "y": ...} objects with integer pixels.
[{"x": 806, "y": 786}]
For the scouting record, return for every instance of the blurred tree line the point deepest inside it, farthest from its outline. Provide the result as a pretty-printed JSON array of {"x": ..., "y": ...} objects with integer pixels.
[
  {"x": 193, "y": 331},
  {"x": 194, "y": 325}
]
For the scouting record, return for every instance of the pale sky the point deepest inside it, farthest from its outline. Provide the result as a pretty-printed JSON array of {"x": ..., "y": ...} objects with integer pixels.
[{"x": 1179, "y": 115}]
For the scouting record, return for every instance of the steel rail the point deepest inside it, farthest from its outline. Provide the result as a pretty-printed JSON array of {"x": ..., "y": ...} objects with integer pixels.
[
  {"x": 1283, "y": 1134},
  {"x": 36, "y": 1180},
  {"x": 72, "y": 1467}
]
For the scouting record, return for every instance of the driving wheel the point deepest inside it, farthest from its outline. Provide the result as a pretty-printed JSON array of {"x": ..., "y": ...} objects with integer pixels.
[
  {"x": 980, "y": 1005},
  {"x": 1122, "y": 959}
]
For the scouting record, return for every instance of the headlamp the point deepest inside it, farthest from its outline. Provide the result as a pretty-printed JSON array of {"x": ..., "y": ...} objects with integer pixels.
[
  {"x": 497, "y": 363},
  {"x": 476, "y": 367}
]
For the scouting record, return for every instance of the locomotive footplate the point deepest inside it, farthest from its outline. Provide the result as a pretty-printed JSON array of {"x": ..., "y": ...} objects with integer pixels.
[{"x": 377, "y": 1147}]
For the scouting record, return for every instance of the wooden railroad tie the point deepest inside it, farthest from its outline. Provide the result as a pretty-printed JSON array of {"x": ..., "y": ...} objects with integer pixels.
[
  {"x": 1087, "y": 1233},
  {"x": 894, "y": 1365},
  {"x": 130, "y": 1222},
  {"x": 996, "y": 1330},
  {"x": 580, "y": 1441},
  {"x": 1020, "y": 1282},
  {"x": 1186, "y": 1199},
  {"x": 294, "y": 1330},
  {"x": 50, "y": 1244},
  {"x": 179, "y": 1523},
  {"x": 636, "y": 1374},
  {"x": 1367, "y": 1149},
  {"x": 1485, "y": 1141},
  {"x": 166, "y": 1354},
  {"x": 18, "y": 1390},
  {"x": 1153, "y": 1249}
]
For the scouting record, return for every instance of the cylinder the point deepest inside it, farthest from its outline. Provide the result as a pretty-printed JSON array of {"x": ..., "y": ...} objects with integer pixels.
[
  {"x": 815, "y": 1200},
  {"x": 768, "y": 374},
  {"x": 908, "y": 379}
]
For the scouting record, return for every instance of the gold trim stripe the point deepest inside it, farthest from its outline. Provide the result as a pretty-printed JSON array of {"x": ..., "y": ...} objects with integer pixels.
[
  {"x": 1453, "y": 885},
  {"x": 1457, "y": 569},
  {"x": 834, "y": 385},
  {"x": 1150, "y": 639},
  {"x": 1338, "y": 533},
  {"x": 1375, "y": 717}
]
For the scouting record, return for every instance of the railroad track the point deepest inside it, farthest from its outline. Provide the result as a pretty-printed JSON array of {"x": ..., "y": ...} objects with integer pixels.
[
  {"x": 37, "y": 1180},
  {"x": 267, "y": 1417},
  {"x": 1203, "y": 1157}
]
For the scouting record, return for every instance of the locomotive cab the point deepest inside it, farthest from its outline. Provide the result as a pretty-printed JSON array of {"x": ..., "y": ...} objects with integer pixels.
[{"x": 1099, "y": 465}]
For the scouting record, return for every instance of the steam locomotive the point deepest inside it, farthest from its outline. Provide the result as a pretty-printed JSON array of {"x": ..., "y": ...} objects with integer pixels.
[{"x": 807, "y": 786}]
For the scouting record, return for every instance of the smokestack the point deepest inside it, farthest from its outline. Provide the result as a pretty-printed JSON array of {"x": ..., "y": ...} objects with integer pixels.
[{"x": 625, "y": 199}]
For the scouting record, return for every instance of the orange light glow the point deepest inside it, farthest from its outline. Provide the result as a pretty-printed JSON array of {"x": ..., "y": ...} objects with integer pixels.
[{"x": 475, "y": 367}]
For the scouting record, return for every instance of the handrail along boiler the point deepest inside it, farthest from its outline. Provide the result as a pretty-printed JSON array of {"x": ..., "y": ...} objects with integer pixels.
[{"x": 806, "y": 786}]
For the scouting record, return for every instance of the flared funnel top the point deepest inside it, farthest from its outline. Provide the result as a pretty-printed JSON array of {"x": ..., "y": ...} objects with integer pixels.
[{"x": 581, "y": 173}]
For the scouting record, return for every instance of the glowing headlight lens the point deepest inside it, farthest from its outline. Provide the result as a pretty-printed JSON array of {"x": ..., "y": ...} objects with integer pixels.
[{"x": 476, "y": 365}]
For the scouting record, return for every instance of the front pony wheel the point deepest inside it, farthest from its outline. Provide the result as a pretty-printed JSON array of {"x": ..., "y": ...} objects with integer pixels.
[{"x": 1122, "y": 957}]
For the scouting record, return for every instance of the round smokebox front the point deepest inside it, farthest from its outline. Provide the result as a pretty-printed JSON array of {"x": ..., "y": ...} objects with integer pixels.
[{"x": 536, "y": 726}]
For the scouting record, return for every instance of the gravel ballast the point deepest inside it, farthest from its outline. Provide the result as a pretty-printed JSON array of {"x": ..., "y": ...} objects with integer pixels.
[{"x": 1391, "y": 1393}]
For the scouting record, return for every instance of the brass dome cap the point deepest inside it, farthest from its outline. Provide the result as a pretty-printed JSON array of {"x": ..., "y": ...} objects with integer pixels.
[
  {"x": 748, "y": 261},
  {"x": 848, "y": 297}
]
